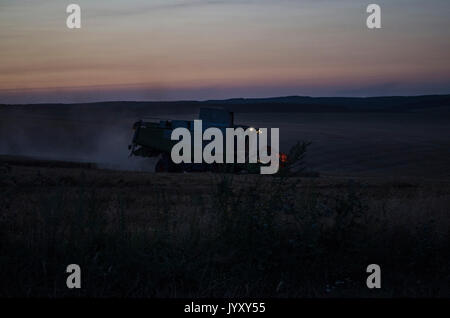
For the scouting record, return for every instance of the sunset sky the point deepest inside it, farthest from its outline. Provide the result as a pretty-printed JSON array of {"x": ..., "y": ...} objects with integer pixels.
[{"x": 208, "y": 49}]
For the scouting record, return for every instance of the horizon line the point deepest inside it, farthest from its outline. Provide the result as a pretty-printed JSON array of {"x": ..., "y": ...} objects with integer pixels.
[{"x": 228, "y": 99}]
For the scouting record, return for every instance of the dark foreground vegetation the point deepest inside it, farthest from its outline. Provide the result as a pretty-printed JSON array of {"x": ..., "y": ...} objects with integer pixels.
[{"x": 204, "y": 235}]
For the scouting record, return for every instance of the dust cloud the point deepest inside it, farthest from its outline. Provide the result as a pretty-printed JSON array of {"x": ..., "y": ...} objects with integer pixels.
[{"x": 71, "y": 136}]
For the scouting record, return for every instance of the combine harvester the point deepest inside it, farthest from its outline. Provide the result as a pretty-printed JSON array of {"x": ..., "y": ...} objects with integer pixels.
[{"x": 153, "y": 139}]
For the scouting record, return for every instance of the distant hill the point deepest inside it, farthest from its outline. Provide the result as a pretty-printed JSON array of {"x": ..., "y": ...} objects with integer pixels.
[
  {"x": 426, "y": 103},
  {"x": 339, "y": 104}
]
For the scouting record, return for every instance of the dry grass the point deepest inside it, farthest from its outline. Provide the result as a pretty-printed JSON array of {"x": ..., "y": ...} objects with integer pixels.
[{"x": 204, "y": 235}]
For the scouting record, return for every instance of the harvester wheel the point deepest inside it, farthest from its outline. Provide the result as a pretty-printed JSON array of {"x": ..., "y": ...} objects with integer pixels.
[
  {"x": 165, "y": 164},
  {"x": 160, "y": 166}
]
